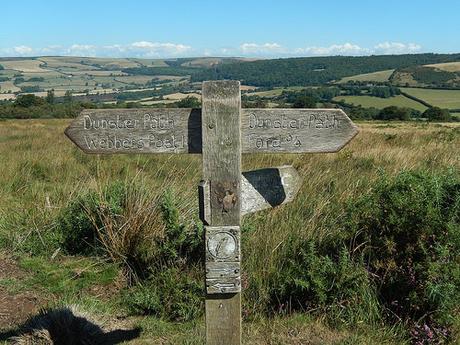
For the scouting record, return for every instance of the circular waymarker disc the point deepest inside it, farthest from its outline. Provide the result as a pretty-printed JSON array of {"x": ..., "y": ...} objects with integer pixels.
[{"x": 222, "y": 245}]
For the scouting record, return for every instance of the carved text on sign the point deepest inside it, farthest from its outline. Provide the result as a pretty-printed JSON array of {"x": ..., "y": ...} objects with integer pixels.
[
  {"x": 112, "y": 142},
  {"x": 149, "y": 121},
  {"x": 314, "y": 121},
  {"x": 151, "y": 130}
]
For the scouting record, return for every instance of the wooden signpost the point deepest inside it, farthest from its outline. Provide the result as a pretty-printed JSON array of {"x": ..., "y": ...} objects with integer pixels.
[{"x": 221, "y": 131}]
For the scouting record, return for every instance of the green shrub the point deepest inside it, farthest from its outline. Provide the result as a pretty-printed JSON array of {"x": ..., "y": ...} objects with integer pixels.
[
  {"x": 394, "y": 256},
  {"x": 324, "y": 277},
  {"x": 189, "y": 102},
  {"x": 145, "y": 234},
  {"x": 171, "y": 294},
  {"x": 437, "y": 114},
  {"x": 80, "y": 220},
  {"x": 408, "y": 232},
  {"x": 394, "y": 113},
  {"x": 179, "y": 244},
  {"x": 125, "y": 221},
  {"x": 28, "y": 100}
]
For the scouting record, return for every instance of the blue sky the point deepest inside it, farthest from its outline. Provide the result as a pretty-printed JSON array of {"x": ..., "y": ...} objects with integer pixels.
[{"x": 171, "y": 28}]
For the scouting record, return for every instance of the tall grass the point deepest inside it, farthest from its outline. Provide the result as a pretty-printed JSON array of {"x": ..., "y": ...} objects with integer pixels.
[{"x": 43, "y": 173}]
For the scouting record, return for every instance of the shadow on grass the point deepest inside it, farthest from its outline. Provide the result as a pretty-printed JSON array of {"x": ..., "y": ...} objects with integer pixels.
[{"x": 64, "y": 326}]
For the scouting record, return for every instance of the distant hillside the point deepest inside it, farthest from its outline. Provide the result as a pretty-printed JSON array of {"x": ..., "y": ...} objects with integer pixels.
[
  {"x": 315, "y": 70},
  {"x": 359, "y": 81}
]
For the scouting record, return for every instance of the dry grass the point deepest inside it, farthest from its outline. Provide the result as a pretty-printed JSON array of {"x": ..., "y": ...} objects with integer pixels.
[
  {"x": 405, "y": 78},
  {"x": 98, "y": 73},
  {"x": 42, "y": 167},
  {"x": 149, "y": 62},
  {"x": 134, "y": 79},
  {"x": 42, "y": 171},
  {"x": 178, "y": 96},
  {"x": 379, "y": 76},
  {"x": 293, "y": 330},
  {"x": 165, "y": 101},
  {"x": 447, "y": 66},
  {"x": 7, "y": 86},
  {"x": 7, "y": 96},
  {"x": 248, "y": 88},
  {"x": 28, "y": 65},
  {"x": 63, "y": 63},
  {"x": 276, "y": 91}
]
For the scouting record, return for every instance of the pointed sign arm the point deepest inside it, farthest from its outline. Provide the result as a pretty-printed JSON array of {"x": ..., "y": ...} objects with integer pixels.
[{"x": 172, "y": 130}]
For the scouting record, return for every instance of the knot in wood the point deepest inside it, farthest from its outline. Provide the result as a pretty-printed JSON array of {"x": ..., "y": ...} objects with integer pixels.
[
  {"x": 226, "y": 195},
  {"x": 228, "y": 201}
]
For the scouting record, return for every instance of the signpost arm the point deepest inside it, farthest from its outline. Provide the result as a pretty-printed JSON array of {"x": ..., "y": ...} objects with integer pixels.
[{"x": 222, "y": 170}]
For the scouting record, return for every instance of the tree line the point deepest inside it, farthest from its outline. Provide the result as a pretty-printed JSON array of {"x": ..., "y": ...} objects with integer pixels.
[{"x": 313, "y": 70}]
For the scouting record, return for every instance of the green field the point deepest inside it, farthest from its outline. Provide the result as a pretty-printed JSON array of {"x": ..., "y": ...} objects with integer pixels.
[
  {"x": 380, "y": 76},
  {"x": 449, "y": 99},
  {"x": 275, "y": 92},
  {"x": 380, "y": 103}
]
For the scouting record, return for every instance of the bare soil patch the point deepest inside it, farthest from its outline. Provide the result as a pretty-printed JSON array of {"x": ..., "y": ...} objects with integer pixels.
[{"x": 15, "y": 308}]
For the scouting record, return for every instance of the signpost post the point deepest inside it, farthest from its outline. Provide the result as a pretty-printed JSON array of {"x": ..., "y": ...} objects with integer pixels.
[{"x": 221, "y": 131}]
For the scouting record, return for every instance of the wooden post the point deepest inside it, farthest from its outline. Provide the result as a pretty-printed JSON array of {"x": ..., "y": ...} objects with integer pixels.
[
  {"x": 222, "y": 170},
  {"x": 221, "y": 134}
]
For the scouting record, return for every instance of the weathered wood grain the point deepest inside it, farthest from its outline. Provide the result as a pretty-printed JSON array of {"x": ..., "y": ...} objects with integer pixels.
[
  {"x": 154, "y": 130},
  {"x": 222, "y": 168},
  {"x": 221, "y": 131},
  {"x": 267, "y": 188},
  {"x": 260, "y": 189},
  {"x": 295, "y": 130},
  {"x": 204, "y": 202},
  {"x": 145, "y": 130}
]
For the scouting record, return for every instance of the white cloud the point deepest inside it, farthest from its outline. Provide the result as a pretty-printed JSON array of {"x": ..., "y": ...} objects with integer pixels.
[
  {"x": 143, "y": 49},
  {"x": 261, "y": 49},
  {"x": 155, "y": 49},
  {"x": 81, "y": 50},
  {"x": 22, "y": 50},
  {"x": 396, "y": 48},
  {"x": 354, "y": 49},
  {"x": 335, "y": 49},
  {"x": 147, "y": 49}
]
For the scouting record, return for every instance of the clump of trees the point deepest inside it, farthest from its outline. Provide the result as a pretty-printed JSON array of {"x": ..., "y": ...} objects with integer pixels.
[
  {"x": 384, "y": 91},
  {"x": 28, "y": 100},
  {"x": 431, "y": 76},
  {"x": 394, "y": 113},
  {"x": 189, "y": 102},
  {"x": 31, "y": 88},
  {"x": 437, "y": 114},
  {"x": 29, "y": 106}
]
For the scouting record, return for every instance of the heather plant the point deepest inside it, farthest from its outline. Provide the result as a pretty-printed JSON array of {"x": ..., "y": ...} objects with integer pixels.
[
  {"x": 145, "y": 234},
  {"x": 171, "y": 294},
  {"x": 407, "y": 231},
  {"x": 323, "y": 277},
  {"x": 80, "y": 221},
  {"x": 330, "y": 223},
  {"x": 179, "y": 245}
]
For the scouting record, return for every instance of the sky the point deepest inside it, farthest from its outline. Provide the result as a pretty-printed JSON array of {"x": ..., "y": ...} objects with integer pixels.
[{"x": 268, "y": 29}]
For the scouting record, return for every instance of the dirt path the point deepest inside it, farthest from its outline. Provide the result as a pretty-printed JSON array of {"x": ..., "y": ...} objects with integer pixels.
[{"x": 15, "y": 308}]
